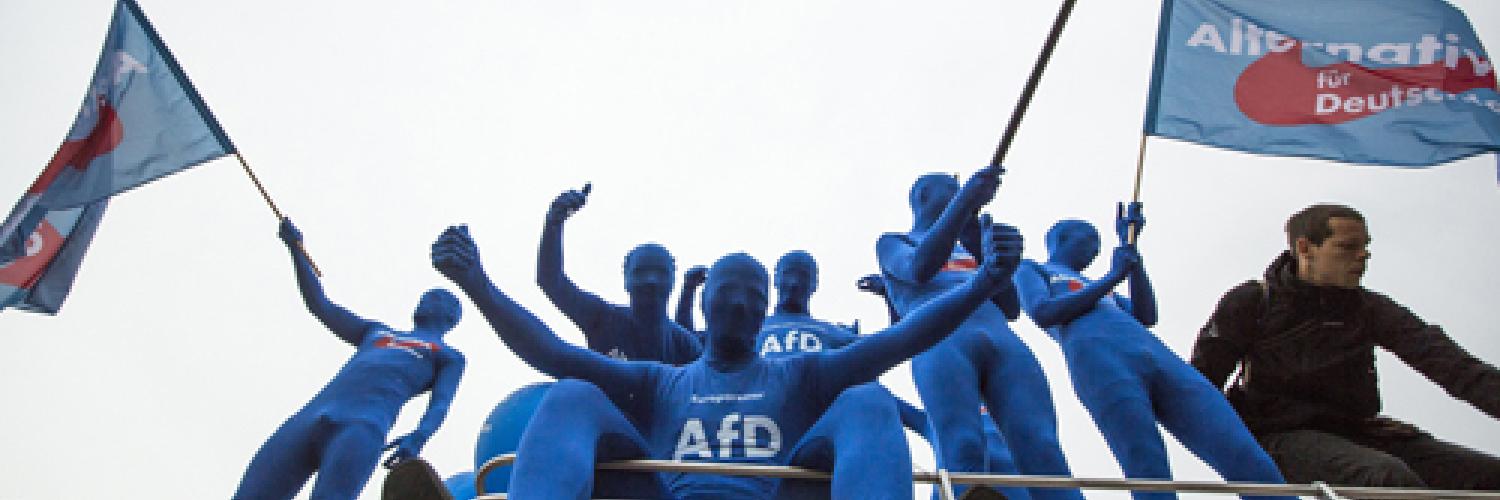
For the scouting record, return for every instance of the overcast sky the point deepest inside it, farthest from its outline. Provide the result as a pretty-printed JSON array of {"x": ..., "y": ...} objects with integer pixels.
[{"x": 710, "y": 127}]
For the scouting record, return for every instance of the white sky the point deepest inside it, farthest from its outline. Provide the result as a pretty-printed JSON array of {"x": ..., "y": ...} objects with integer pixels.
[{"x": 710, "y": 127}]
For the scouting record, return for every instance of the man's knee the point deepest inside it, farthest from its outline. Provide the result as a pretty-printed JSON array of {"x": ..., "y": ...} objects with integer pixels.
[
  {"x": 1306, "y": 456},
  {"x": 871, "y": 404}
]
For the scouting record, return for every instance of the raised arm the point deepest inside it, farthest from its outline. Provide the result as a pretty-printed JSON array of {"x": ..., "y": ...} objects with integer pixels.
[
  {"x": 871, "y": 355},
  {"x": 1049, "y": 311},
  {"x": 346, "y": 325},
  {"x": 937, "y": 244},
  {"x": 691, "y": 280},
  {"x": 1142, "y": 301},
  {"x": 444, "y": 386},
  {"x": 582, "y": 307},
  {"x": 455, "y": 255}
]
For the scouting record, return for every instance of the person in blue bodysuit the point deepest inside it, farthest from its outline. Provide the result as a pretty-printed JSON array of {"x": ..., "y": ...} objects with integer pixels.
[
  {"x": 791, "y": 329},
  {"x": 997, "y": 457},
  {"x": 641, "y": 330},
  {"x": 1122, "y": 373},
  {"x": 730, "y": 405},
  {"x": 341, "y": 433},
  {"x": 983, "y": 361}
]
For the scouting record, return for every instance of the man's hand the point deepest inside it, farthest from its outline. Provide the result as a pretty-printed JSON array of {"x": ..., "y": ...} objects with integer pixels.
[
  {"x": 455, "y": 255},
  {"x": 694, "y": 277},
  {"x": 407, "y": 447},
  {"x": 1126, "y": 216},
  {"x": 567, "y": 203},
  {"x": 289, "y": 233},
  {"x": 873, "y": 283},
  {"x": 1002, "y": 252}
]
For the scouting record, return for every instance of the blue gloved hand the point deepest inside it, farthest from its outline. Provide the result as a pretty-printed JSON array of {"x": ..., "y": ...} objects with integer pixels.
[
  {"x": 873, "y": 283},
  {"x": 1125, "y": 260},
  {"x": 983, "y": 184},
  {"x": 456, "y": 257},
  {"x": 1002, "y": 251},
  {"x": 567, "y": 203},
  {"x": 407, "y": 447},
  {"x": 1127, "y": 215},
  {"x": 694, "y": 277},
  {"x": 289, "y": 233}
]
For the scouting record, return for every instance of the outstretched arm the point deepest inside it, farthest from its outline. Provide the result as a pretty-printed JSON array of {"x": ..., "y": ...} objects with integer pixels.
[
  {"x": 1048, "y": 311},
  {"x": 349, "y": 327},
  {"x": 444, "y": 387},
  {"x": 871, "y": 355},
  {"x": 691, "y": 280},
  {"x": 1142, "y": 301},
  {"x": 582, "y": 307},
  {"x": 937, "y": 245},
  {"x": 455, "y": 255}
]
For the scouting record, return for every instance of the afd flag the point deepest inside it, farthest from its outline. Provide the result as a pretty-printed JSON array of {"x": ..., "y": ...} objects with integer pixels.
[
  {"x": 1384, "y": 82},
  {"x": 140, "y": 120},
  {"x": 41, "y": 278}
]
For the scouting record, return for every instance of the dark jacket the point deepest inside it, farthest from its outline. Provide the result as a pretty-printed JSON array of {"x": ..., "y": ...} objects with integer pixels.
[{"x": 1307, "y": 359}]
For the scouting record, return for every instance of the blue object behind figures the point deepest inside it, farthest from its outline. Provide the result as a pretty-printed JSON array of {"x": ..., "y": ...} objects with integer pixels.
[
  {"x": 1122, "y": 373},
  {"x": 340, "y": 433},
  {"x": 502, "y": 432},
  {"x": 461, "y": 486},
  {"x": 756, "y": 410}
]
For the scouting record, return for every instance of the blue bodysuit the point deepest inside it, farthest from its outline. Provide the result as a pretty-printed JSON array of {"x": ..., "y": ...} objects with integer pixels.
[
  {"x": 730, "y": 405},
  {"x": 982, "y": 361},
  {"x": 341, "y": 432},
  {"x": 1123, "y": 374},
  {"x": 640, "y": 331}
]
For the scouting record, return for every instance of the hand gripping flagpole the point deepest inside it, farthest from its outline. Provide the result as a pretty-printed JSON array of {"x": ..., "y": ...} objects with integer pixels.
[
  {"x": 1032, "y": 82},
  {"x": 274, "y": 210}
]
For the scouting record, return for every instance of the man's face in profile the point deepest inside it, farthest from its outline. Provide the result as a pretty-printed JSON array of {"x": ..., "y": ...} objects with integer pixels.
[{"x": 1340, "y": 260}]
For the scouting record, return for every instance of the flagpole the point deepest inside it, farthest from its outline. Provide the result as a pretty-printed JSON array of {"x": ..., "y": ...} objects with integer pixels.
[
  {"x": 1032, "y": 82},
  {"x": 1135, "y": 196},
  {"x": 279, "y": 217}
]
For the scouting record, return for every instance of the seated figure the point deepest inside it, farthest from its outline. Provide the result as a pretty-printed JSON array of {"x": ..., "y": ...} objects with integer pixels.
[{"x": 729, "y": 406}]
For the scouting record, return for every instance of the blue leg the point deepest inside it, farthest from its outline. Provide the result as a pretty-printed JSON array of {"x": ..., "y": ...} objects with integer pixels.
[
  {"x": 1191, "y": 409},
  {"x": 348, "y": 459},
  {"x": 283, "y": 463},
  {"x": 582, "y": 427},
  {"x": 859, "y": 438},
  {"x": 948, "y": 383},
  {"x": 1020, "y": 402}
]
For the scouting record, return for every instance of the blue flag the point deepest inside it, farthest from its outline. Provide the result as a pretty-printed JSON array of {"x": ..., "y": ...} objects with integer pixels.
[
  {"x": 140, "y": 120},
  {"x": 1384, "y": 82}
]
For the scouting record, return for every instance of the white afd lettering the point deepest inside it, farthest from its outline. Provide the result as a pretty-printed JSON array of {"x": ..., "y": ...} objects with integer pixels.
[
  {"x": 794, "y": 340},
  {"x": 733, "y": 429}
]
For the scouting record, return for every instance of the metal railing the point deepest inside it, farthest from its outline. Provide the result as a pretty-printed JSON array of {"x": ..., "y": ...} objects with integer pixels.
[{"x": 945, "y": 480}]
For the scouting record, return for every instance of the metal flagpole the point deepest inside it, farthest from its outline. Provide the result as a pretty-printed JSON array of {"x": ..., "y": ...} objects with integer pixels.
[{"x": 274, "y": 210}]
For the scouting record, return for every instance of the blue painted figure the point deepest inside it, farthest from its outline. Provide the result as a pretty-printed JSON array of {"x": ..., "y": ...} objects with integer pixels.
[
  {"x": 792, "y": 330},
  {"x": 730, "y": 405},
  {"x": 502, "y": 431},
  {"x": 340, "y": 433},
  {"x": 641, "y": 331},
  {"x": 983, "y": 361},
  {"x": 997, "y": 457},
  {"x": 1122, "y": 373}
]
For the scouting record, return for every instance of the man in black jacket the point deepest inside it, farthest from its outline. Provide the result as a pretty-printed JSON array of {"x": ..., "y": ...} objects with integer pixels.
[{"x": 1303, "y": 341}]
